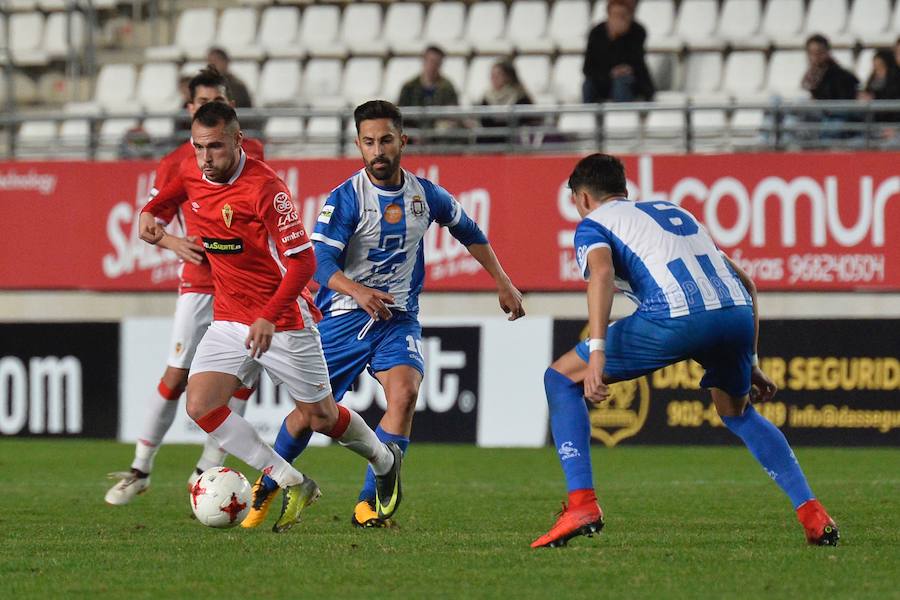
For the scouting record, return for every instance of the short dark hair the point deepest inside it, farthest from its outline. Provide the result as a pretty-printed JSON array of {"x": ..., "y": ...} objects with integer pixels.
[
  {"x": 220, "y": 52},
  {"x": 208, "y": 77},
  {"x": 818, "y": 38},
  {"x": 378, "y": 109},
  {"x": 212, "y": 114},
  {"x": 435, "y": 49},
  {"x": 599, "y": 174}
]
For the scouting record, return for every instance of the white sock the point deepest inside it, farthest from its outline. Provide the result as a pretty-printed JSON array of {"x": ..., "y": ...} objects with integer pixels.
[
  {"x": 213, "y": 455},
  {"x": 160, "y": 414},
  {"x": 359, "y": 438},
  {"x": 239, "y": 439}
]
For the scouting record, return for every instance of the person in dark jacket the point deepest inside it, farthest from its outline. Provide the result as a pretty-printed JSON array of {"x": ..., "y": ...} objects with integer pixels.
[
  {"x": 825, "y": 79},
  {"x": 614, "y": 64},
  {"x": 505, "y": 90}
]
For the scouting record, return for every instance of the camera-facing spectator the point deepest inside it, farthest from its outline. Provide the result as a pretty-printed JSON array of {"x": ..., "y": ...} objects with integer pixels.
[
  {"x": 824, "y": 78},
  {"x": 883, "y": 83},
  {"x": 430, "y": 87},
  {"x": 505, "y": 90},
  {"x": 218, "y": 58},
  {"x": 614, "y": 62}
]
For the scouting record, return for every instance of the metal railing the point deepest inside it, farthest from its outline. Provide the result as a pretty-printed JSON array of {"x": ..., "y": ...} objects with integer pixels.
[{"x": 625, "y": 127}]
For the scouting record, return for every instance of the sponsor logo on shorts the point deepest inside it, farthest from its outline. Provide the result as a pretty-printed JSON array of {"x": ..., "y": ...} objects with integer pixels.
[
  {"x": 294, "y": 236},
  {"x": 219, "y": 246}
]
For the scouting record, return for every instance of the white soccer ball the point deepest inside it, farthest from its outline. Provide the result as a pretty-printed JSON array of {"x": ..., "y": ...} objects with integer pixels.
[{"x": 221, "y": 497}]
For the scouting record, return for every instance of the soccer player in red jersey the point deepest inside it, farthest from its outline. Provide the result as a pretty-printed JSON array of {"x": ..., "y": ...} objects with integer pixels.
[
  {"x": 262, "y": 260},
  {"x": 193, "y": 314}
]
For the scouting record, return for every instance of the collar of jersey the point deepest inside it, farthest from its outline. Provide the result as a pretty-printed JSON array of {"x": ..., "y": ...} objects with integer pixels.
[
  {"x": 237, "y": 173},
  {"x": 385, "y": 191}
]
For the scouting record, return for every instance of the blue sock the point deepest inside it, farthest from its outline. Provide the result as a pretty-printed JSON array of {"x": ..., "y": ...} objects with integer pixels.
[
  {"x": 571, "y": 429},
  {"x": 368, "y": 490},
  {"x": 769, "y": 446},
  {"x": 287, "y": 447}
]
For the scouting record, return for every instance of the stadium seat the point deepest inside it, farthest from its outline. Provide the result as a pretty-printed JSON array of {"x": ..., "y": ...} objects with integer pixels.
[
  {"x": 664, "y": 131},
  {"x": 534, "y": 73},
  {"x": 284, "y": 136},
  {"x": 828, "y": 17},
  {"x": 52, "y": 5},
  {"x": 322, "y": 134},
  {"x": 745, "y": 127},
  {"x": 279, "y": 83},
  {"x": 74, "y": 137},
  {"x": 444, "y": 27},
  {"x": 361, "y": 29},
  {"x": 399, "y": 70},
  {"x": 36, "y": 139},
  {"x": 479, "y": 78},
  {"x": 21, "y": 5},
  {"x": 569, "y": 25},
  {"x": 739, "y": 24},
  {"x": 248, "y": 72},
  {"x": 237, "y": 32},
  {"x": 709, "y": 130},
  {"x": 319, "y": 31},
  {"x": 279, "y": 28},
  {"x": 844, "y": 57},
  {"x": 786, "y": 69},
  {"x": 696, "y": 24},
  {"x": 658, "y": 18},
  {"x": 869, "y": 20},
  {"x": 194, "y": 34},
  {"x": 455, "y": 69},
  {"x": 579, "y": 129},
  {"x": 322, "y": 82},
  {"x": 159, "y": 128},
  {"x": 745, "y": 72},
  {"x": 864, "y": 65},
  {"x": 485, "y": 27},
  {"x": 567, "y": 79},
  {"x": 26, "y": 34},
  {"x": 115, "y": 88},
  {"x": 56, "y": 41},
  {"x": 782, "y": 22},
  {"x": 621, "y": 131},
  {"x": 703, "y": 72},
  {"x": 598, "y": 14},
  {"x": 361, "y": 80},
  {"x": 526, "y": 27},
  {"x": 403, "y": 23},
  {"x": 157, "y": 87},
  {"x": 664, "y": 69},
  {"x": 113, "y": 130}
]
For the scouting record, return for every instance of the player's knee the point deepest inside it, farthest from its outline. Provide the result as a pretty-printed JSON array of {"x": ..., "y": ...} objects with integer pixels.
[
  {"x": 403, "y": 398},
  {"x": 195, "y": 408}
]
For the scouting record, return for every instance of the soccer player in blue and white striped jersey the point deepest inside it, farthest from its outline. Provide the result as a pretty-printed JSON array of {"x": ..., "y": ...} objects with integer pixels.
[{"x": 693, "y": 303}]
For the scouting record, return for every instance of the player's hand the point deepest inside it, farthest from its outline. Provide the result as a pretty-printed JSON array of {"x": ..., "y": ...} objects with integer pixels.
[
  {"x": 511, "y": 301},
  {"x": 184, "y": 248},
  {"x": 259, "y": 338},
  {"x": 149, "y": 230},
  {"x": 373, "y": 302},
  {"x": 762, "y": 388},
  {"x": 594, "y": 389}
]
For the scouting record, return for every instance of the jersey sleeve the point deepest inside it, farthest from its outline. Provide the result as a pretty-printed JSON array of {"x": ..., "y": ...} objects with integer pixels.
[
  {"x": 165, "y": 202},
  {"x": 338, "y": 220},
  {"x": 281, "y": 218},
  {"x": 166, "y": 172},
  {"x": 447, "y": 212},
  {"x": 589, "y": 235}
]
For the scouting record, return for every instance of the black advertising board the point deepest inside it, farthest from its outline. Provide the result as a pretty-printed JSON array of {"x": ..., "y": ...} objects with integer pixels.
[
  {"x": 59, "y": 379},
  {"x": 839, "y": 385}
]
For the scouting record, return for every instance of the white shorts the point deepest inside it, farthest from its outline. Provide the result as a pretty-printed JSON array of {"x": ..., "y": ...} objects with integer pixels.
[
  {"x": 193, "y": 314},
  {"x": 294, "y": 359}
]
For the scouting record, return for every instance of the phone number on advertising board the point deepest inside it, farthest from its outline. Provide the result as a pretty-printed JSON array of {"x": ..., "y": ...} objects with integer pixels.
[{"x": 836, "y": 267}]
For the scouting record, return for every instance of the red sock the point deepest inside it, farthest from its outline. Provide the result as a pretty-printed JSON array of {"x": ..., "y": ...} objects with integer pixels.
[
  {"x": 580, "y": 497},
  {"x": 340, "y": 427}
]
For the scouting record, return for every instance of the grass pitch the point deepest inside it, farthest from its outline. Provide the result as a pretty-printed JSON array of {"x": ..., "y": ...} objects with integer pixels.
[{"x": 681, "y": 523}]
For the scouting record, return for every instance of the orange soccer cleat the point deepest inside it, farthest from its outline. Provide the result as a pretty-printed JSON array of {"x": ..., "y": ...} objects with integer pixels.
[
  {"x": 820, "y": 528},
  {"x": 574, "y": 520}
]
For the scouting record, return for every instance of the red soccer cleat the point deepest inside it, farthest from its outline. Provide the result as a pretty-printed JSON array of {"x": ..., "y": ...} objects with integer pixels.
[
  {"x": 820, "y": 528},
  {"x": 583, "y": 519}
]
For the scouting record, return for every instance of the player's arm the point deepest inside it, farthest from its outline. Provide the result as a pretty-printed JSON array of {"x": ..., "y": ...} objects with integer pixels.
[
  {"x": 161, "y": 207},
  {"x": 765, "y": 388},
  {"x": 600, "y": 292},
  {"x": 510, "y": 297}
]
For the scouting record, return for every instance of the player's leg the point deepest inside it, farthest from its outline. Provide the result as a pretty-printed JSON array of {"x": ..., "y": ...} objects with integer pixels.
[{"x": 214, "y": 455}]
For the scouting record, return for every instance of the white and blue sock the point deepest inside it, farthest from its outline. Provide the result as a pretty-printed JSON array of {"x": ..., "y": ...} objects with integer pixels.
[
  {"x": 571, "y": 429},
  {"x": 368, "y": 490},
  {"x": 769, "y": 446},
  {"x": 287, "y": 447}
]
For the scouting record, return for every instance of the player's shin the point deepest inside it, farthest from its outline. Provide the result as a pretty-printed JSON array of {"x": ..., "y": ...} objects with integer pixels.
[
  {"x": 368, "y": 490},
  {"x": 238, "y": 438},
  {"x": 571, "y": 429},
  {"x": 769, "y": 446},
  {"x": 214, "y": 455},
  {"x": 288, "y": 447},
  {"x": 161, "y": 407},
  {"x": 351, "y": 431}
]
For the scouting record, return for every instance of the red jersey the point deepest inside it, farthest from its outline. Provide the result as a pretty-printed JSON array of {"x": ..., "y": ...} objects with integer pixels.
[
  {"x": 193, "y": 278},
  {"x": 247, "y": 225}
]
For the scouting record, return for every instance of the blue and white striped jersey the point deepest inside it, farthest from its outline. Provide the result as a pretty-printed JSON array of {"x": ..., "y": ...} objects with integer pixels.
[
  {"x": 374, "y": 235},
  {"x": 664, "y": 259}
]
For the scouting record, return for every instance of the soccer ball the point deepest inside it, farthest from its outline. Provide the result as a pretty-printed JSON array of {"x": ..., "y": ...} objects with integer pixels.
[{"x": 221, "y": 497}]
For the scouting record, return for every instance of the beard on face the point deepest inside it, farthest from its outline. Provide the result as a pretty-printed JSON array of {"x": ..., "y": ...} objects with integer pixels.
[{"x": 382, "y": 168}]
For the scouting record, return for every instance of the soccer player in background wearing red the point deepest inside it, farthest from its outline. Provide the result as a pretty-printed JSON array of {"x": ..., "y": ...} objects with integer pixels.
[
  {"x": 193, "y": 314},
  {"x": 262, "y": 260}
]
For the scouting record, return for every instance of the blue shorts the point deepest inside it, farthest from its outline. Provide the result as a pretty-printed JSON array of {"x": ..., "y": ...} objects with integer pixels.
[
  {"x": 720, "y": 340},
  {"x": 397, "y": 341}
]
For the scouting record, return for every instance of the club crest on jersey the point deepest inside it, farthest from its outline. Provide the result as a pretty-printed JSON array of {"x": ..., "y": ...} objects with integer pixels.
[
  {"x": 289, "y": 213},
  {"x": 393, "y": 214},
  {"x": 417, "y": 206},
  {"x": 227, "y": 215},
  {"x": 178, "y": 348}
]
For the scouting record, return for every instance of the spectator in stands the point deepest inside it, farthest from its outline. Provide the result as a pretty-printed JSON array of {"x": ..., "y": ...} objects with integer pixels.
[
  {"x": 824, "y": 78},
  {"x": 614, "y": 63},
  {"x": 505, "y": 90},
  {"x": 218, "y": 58},
  {"x": 883, "y": 83},
  {"x": 897, "y": 51},
  {"x": 430, "y": 88}
]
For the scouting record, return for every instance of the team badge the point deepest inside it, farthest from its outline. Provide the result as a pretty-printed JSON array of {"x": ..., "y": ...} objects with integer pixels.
[
  {"x": 623, "y": 414},
  {"x": 393, "y": 214},
  {"x": 178, "y": 348},
  {"x": 227, "y": 214},
  {"x": 417, "y": 206}
]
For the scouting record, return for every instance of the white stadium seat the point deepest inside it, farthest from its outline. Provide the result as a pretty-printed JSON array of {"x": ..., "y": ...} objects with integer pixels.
[
  {"x": 844, "y": 57},
  {"x": 322, "y": 136},
  {"x": 444, "y": 27},
  {"x": 237, "y": 32},
  {"x": 160, "y": 128},
  {"x": 56, "y": 41},
  {"x": 248, "y": 72},
  {"x": 279, "y": 30},
  {"x": 786, "y": 69},
  {"x": 598, "y": 14},
  {"x": 322, "y": 82},
  {"x": 703, "y": 72},
  {"x": 361, "y": 80},
  {"x": 284, "y": 136},
  {"x": 113, "y": 130},
  {"x": 36, "y": 139},
  {"x": 696, "y": 23},
  {"x": 194, "y": 34},
  {"x": 157, "y": 87},
  {"x": 361, "y": 29},
  {"x": 864, "y": 65},
  {"x": 455, "y": 68},
  {"x": 664, "y": 131},
  {"x": 74, "y": 137},
  {"x": 580, "y": 129},
  {"x": 319, "y": 31},
  {"x": 782, "y": 22},
  {"x": 399, "y": 70},
  {"x": 403, "y": 24},
  {"x": 21, "y": 5},
  {"x": 279, "y": 83},
  {"x": 709, "y": 130},
  {"x": 527, "y": 26},
  {"x": 26, "y": 32},
  {"x": 739, "y": 23},
  {"x": 869, "y": 21},
  {"x": 745, "y": 72},
  {"x": 534, "y": 73},
  {"x": 567, "y": 78},
  {"x": 485, "y": 27},
  {"x": 115, "y": 88},
  {"x": 664, "y": 69},
  {"x": 569, "y": 25},
  {"x": 622, "y": 131},
  {"x": 479, "y": 78},
  {"x": 828, "y": 17},
  {"x": 658, "y": 18}
]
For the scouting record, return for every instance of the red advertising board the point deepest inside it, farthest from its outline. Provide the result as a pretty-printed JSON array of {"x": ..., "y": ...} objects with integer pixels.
[{"x": 794, "y": 221}]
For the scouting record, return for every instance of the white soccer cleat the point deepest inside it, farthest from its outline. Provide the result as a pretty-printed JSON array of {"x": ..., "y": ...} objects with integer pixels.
[{"x": 129, "y": 486}]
